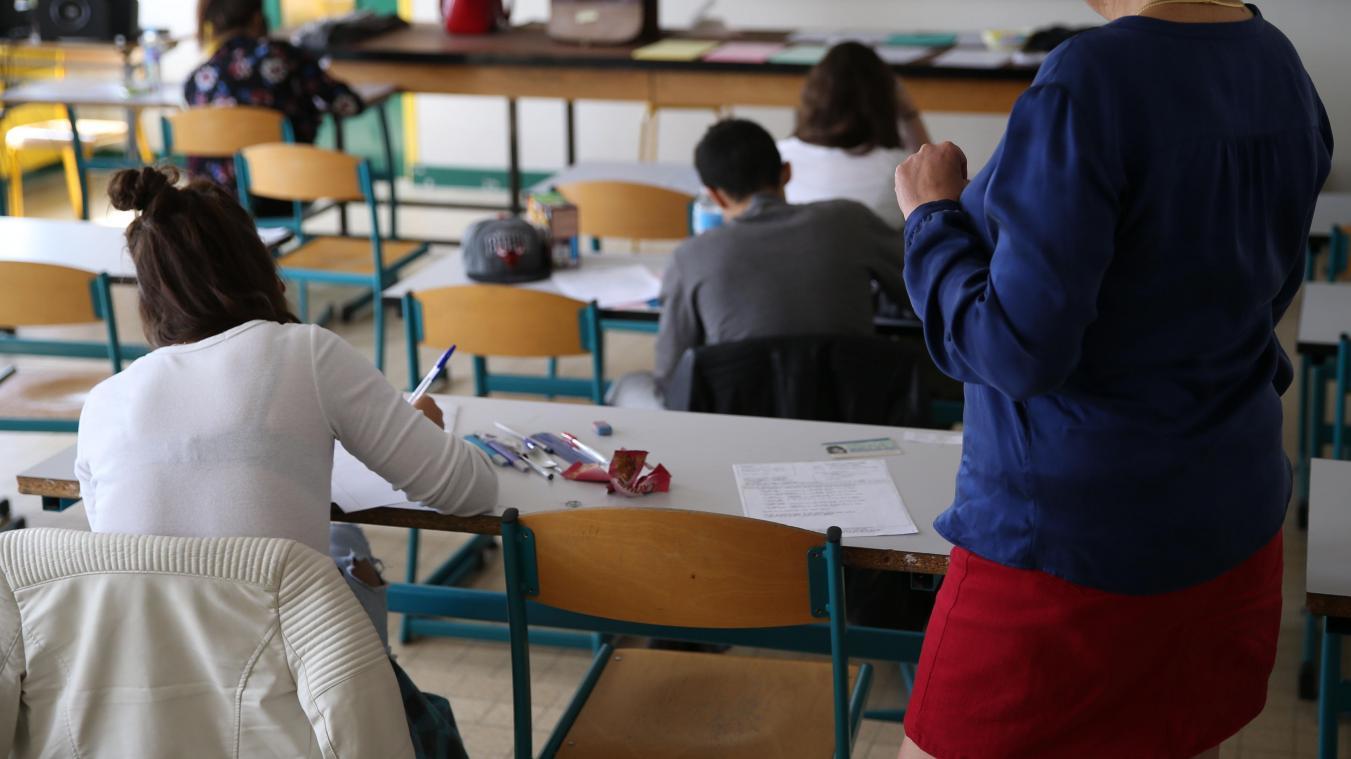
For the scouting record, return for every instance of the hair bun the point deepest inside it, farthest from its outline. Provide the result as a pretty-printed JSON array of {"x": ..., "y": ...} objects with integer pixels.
[{"x": 136, "y": 189}]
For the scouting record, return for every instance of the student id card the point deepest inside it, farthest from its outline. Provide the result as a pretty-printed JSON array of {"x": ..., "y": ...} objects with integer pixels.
[{"x": 857, "y": 449}]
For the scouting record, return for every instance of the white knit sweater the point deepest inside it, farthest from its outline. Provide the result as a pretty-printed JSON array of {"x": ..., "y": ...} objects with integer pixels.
[{"x": 233, "y": 436}]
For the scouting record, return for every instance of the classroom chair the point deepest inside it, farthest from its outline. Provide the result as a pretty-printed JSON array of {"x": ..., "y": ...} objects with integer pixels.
[
  {"x": 41, "y": 295},
  {"x": 633, "y": 211},
  {"x": 671, "y": 573},
  {"x": 499, "y": 320},
  {"x": 160, "y": 647},
  {"x": 222, "y": 131},
  {"x": 304, "y": 173},
  {"x": 628, "y": 210},
  {"x": 77, "y": 140}
]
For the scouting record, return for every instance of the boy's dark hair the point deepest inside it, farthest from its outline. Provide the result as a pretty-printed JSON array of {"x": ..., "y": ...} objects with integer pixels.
[
  {"x": 200, "y": 267},
  {"x": 739, "y": 158},
  {"x": 217, "y": 18},
  {"x": 850, "y": 102}
]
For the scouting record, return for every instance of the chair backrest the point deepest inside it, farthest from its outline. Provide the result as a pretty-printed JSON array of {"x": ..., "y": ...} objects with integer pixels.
[
  {"x": 857, "y": 379},
  {"x": 629, "y": 210},
  {"x": 35, "y": 294},
  {"x": 302, "y": 172},
  {"x": 674, "y": 568},
  {"x": 222, "y": 131},
  {"x": 167, "y": 647},
  {"x": 499, "y": 320}
]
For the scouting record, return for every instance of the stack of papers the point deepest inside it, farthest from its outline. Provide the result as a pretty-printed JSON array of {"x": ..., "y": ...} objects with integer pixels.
[
  {"x": 674, "y": 50},
  {"x": 800, "y": 55},
  {"x": 972, "y": 59},
  {"x": 857, "y": 496},
  {"x": 900, "y": 56},
  {"x": 610, "y": 286},
  {"x": 744, "y": 52}
]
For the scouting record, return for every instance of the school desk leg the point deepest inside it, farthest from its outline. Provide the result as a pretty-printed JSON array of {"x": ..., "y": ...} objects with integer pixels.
[
  {"x": 1308, "y": 664},
  {"x": 379, "y": 330},
  {"x": 1329, "y": 695},
  {"x": 410, "y": 576}
]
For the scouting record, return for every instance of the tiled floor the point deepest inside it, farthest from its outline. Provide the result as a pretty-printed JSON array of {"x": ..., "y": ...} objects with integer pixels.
[{"x": 474, "y": 675}]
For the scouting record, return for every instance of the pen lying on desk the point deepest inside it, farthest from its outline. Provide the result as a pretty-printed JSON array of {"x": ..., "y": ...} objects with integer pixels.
[
  {"x": 482, "y": 445},
  {"x": 526, "y": 440}
]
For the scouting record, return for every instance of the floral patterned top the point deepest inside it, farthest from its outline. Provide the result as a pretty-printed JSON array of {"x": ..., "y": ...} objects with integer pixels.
[{"x": 271, "y": 74}]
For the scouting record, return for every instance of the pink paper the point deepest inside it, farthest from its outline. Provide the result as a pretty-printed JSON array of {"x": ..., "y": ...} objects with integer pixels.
[{"x": 744, "y": 52}]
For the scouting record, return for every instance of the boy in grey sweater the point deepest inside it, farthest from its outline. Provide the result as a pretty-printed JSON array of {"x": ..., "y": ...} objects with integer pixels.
[{"x": 772, "y": 269}]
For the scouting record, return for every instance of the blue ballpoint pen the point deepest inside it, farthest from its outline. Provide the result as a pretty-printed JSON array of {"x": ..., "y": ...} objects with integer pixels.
[
  {"x": 482, "y": 445},
  {"x": 427, "y": 381}
]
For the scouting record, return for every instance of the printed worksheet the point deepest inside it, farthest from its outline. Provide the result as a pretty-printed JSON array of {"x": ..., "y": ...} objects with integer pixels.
[
  {"x": 858, "y": 496},
  {"x": 357, "y": 488}
]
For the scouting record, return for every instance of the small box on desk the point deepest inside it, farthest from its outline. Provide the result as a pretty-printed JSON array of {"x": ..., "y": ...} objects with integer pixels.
[{"x": 557, "y": 219}]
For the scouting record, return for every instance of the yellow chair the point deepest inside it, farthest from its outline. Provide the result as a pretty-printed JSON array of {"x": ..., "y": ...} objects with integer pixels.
[
  {"x": 673, "y": 573},
  {"x": 303, "y": 173},
  {"x": 629, "y": 210},
  {"x": 57, "y": 134},
  {"x": 40, "y": 295}
]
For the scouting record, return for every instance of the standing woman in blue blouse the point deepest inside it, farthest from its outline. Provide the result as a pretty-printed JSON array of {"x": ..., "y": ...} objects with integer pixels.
[
  {"x": 246, "y": 67},
  {"x": 1107, "y": 288}
]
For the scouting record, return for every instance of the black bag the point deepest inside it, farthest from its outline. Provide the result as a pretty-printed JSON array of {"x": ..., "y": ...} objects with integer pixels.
[{"x": 506, "y": 251}]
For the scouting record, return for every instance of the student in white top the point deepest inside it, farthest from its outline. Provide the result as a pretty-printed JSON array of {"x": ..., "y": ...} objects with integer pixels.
[
  {"x": 227, "y": 427},
  {"x": 855, "y": 124}
]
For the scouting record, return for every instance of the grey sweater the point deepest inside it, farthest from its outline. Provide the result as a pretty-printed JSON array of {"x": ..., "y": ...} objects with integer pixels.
[{"x": 778, "y": 270}]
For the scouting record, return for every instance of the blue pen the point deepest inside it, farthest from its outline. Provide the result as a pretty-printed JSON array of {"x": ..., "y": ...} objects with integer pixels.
[
  {"x": 427, "y": 381},
  {"x": 493, "y": 456}
]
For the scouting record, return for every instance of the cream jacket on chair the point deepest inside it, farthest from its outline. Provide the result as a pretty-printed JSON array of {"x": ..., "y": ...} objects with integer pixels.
[{"x": 149, "y": 647}]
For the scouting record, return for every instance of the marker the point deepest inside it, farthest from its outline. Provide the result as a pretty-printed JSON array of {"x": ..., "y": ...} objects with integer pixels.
[
  {"x": 529, "y": 441},
  {"x": 493, "y": 456},
  {"x": 584, "y": 448},
  {"x": 427, "y": 381},
  {"x": 541, "y": 471}
]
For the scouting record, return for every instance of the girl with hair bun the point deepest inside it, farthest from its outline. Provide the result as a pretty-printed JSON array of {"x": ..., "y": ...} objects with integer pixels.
[{"x": 227, "y": 427}]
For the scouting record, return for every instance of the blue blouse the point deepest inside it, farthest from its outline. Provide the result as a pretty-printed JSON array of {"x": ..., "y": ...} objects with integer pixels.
[{"x": 1108, "y": 289}]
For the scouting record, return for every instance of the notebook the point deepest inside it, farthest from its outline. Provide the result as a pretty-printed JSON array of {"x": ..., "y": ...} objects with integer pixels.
[
  {"x": 744, "y": 52},
  {"x": 922, "y": 40},
  {"x": 674, "y": 50},
  {"x": 801, "y": 55}
]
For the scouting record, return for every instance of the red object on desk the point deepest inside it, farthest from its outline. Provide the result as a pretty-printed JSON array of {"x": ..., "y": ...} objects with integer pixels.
[{"x": 473, "y": 16}]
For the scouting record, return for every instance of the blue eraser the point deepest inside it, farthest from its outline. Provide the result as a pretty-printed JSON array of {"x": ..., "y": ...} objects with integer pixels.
[{"x": 603, "y": 428}]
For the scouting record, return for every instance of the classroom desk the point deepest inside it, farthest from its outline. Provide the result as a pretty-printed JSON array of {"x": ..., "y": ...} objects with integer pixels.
[
  {"x": 82, "y": 245},
  {"x": 1324, "y": 316},
  {"x": 525, "y": 62},
  {"x": 1328, "y": 587},
  {"x": 698, "y": 449}
]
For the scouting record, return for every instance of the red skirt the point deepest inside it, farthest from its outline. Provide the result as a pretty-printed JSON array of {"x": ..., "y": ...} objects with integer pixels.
[{"x": 1018, "y": 663}]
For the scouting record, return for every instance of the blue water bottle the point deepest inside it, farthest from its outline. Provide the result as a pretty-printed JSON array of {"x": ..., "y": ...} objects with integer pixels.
[{"x": 706, "y": 214}]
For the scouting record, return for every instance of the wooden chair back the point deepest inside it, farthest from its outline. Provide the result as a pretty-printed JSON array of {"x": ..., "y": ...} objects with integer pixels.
[
  {"x": 222, "y": 131},
  {"x": 498, "y": 320},
  {"x": 629, "y": 210},
  {"x": 34, "y": 294},
  {"x": 302, "y": 172},
  {"x": 672, "y": 567}
]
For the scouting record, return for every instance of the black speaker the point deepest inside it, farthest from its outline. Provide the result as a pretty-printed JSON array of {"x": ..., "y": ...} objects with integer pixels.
[{"x": 102, "y": 20}]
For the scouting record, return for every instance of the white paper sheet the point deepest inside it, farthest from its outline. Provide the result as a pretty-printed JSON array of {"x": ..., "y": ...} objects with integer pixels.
[
  {"x": 901, "y": 55},
  {"x": 274, "y": 235},
  {"x": 972, "y": 59},
  {"x": 357, "y": 488},
  {"x": 857, "y": 496},
  {"x": 609, "y": 286}
]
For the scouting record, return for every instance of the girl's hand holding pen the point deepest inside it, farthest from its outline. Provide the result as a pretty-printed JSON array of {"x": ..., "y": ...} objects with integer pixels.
[{"x": 429, "y": 409}]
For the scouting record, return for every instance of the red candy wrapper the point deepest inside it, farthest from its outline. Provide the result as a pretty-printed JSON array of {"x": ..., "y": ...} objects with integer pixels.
[{"x": 625, "y": 475}]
